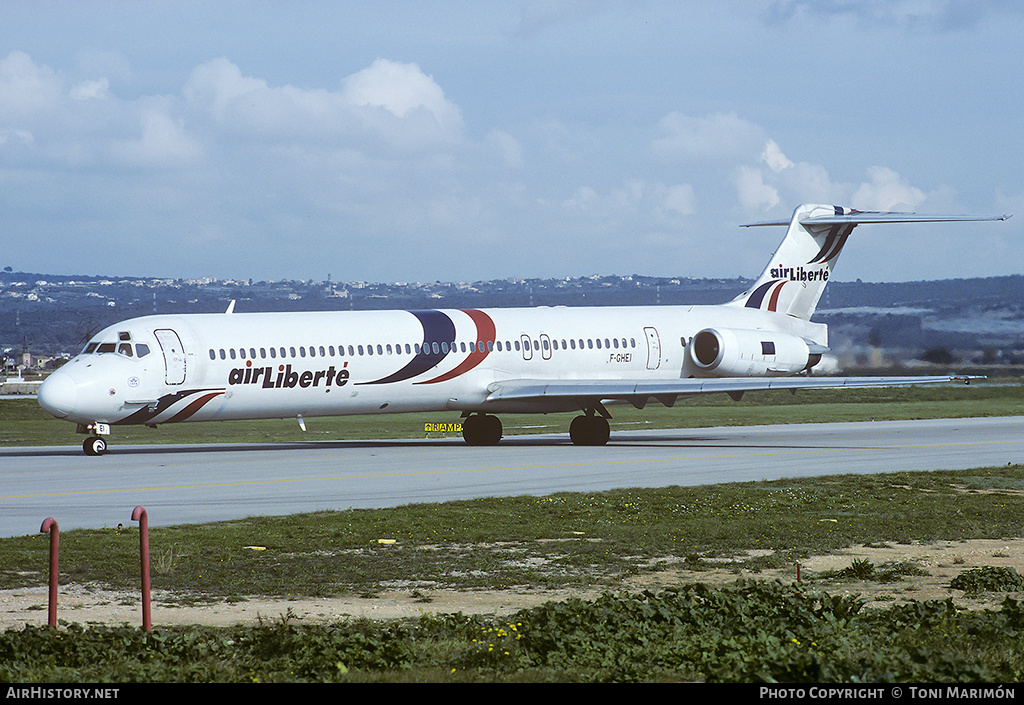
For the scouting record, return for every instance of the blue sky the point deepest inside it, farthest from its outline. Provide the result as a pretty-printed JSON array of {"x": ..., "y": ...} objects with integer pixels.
[{"x": 422, "y": 141}]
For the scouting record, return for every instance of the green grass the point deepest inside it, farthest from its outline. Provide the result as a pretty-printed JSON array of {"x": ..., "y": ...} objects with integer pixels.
[
  {"x": 24, "y": 423},
  {"x": 562, "y": 540},
  {"x": 591, "y": 539},
  {"x": 749, "y": 631}
]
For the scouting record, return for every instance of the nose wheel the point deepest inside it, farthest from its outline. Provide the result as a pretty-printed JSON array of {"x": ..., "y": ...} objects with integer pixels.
[{"x": 94, "y": 445}]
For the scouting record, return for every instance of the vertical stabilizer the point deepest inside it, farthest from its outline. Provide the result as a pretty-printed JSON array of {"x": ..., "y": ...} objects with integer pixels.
[{"x": 797, "y": 273}]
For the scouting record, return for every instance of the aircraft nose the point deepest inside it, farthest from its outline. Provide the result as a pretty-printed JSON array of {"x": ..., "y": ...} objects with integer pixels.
[{"x": 58, "y": 394}]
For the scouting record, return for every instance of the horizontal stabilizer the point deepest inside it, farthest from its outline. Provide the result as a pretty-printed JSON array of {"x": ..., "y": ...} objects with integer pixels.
[
  {"x": 853, "y": 217},
  {"x": 796, "y": 275}
]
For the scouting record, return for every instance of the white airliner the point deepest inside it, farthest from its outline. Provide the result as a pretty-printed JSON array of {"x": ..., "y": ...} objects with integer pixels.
[{"x": 210, "y": 367}]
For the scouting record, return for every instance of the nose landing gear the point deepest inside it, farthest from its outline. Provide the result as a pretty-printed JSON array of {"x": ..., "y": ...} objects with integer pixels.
[{"x": 94, "y": 445}]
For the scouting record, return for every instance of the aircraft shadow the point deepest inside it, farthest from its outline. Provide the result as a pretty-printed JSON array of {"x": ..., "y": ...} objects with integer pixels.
[{"x": 525, "y": 441}]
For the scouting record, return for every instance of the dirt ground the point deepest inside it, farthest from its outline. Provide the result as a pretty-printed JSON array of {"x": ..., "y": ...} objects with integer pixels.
[{"x": 941, "y": 561}]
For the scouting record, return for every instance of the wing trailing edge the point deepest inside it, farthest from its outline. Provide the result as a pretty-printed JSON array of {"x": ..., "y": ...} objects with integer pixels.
[{"x": 638, "y": 393}]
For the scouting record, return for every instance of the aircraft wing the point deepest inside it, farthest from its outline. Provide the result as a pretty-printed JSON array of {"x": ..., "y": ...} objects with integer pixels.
[{"x": 639, "y": 392}]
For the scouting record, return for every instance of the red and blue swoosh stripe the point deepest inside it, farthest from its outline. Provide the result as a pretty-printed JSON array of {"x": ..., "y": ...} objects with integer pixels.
[
  {"x": 439, "y": 328},
  {"x": 149, "y": 412},
  {"x": 757, "y": 297}
]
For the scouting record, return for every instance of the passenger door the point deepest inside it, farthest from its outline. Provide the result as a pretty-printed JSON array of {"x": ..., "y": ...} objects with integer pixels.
[
  {"x": 653, "y": 348},
  {"x": 174, "y": 355}
]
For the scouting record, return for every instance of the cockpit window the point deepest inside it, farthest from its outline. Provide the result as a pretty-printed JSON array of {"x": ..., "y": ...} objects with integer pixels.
[{"x": 122, "y": 348}]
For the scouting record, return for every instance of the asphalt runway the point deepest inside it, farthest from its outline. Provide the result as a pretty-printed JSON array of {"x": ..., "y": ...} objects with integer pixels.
[{"x": 202, "y": 483}]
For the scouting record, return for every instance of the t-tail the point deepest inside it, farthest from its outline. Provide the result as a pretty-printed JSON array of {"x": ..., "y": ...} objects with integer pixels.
[{"x": 797, "y": 273}]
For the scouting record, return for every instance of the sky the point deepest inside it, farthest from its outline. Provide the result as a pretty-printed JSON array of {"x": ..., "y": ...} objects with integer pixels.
[{"x": 409, "y": 141}]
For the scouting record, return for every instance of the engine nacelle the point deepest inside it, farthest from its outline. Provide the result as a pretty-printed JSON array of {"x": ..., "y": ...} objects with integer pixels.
[{"x": 726, "y": 352}]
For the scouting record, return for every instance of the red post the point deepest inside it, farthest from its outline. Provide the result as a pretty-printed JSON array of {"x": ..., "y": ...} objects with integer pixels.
[
  {"x": 50, "y": 525},
  {"x": 139, "y": 515}
]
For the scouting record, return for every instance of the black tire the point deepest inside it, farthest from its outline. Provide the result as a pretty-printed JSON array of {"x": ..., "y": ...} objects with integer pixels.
[
  {"x": 589, "y": 431},
  {"x": 94, "y": 445},
  {"x": 481, "y": 430},
  {"x": 492, "y": 430}
]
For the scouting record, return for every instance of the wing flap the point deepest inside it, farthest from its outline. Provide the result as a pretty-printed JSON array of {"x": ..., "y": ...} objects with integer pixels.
[{"x": 638, "y": 391}]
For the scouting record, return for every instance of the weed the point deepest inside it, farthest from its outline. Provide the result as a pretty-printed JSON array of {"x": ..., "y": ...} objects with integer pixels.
[{"x": 988, "y": 579}]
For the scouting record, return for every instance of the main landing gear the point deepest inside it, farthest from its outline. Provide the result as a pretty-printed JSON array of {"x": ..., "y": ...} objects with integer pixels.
[
  {"x": 481, "y": 430},
  {"x": 591, "y": 429}
]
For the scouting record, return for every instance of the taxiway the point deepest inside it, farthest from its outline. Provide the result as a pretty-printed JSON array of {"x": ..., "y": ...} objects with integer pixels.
[{"x": 203, "y": 483}]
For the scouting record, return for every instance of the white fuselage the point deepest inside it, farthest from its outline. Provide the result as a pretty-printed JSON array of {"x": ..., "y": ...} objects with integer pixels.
[
  {"x": 207, "y": 367},
  {"x": 202, "y": 367}
]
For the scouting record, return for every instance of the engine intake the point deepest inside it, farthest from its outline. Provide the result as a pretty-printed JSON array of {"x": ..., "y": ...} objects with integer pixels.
[{"x": 726, "y": 352}]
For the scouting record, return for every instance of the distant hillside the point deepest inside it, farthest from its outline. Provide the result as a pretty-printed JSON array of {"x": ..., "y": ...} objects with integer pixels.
[
  {"x": 51, "y": 314},
  {"x": 954, "y": 293}
]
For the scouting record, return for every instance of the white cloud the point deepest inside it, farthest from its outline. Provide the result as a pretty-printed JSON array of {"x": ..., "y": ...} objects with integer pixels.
[
  {"x": 87, "y": 90},
  {"x": 679, "y": 199},
  {"x": 917, "y": 15},
  {"x": 27, "y": 89},
  {"x": 784, "y": 181},
  {"x": 22, "y": 136},
  {"x": 635, "y": 204},
  {"x": 537, "y": 15},
  {"x": 753, "y": 192},
  {"x": 887, "y": 190},
  {"x": 712, "y": 137},
  {"x": 508, "y": 148},
  {"x": 585, "y": 198},
  {"x": 217, "y": 84},
  {"x": 400, "y": 89},
  {"x": 298, "y": 148},
  {"x": 774, "y": 158},
  {"x": 391, "y": 101},
  {"x": 164, "y": 142}
]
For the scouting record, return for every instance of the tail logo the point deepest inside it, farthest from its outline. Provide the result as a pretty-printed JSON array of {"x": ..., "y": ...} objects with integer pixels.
[
  {"x": 834, "y": 242},
  {"x": 816, "y": 270},
  {"x": 769, "y": 290}
]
